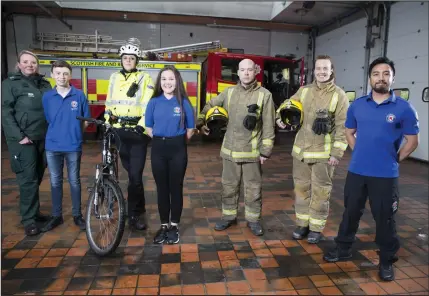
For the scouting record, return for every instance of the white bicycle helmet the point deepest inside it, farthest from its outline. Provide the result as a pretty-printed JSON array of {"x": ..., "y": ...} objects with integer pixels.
[{"x": 131, "y": 47}]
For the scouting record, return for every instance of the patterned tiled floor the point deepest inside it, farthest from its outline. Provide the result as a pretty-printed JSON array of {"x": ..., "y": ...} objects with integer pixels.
[{"x": 208, "y": 262}]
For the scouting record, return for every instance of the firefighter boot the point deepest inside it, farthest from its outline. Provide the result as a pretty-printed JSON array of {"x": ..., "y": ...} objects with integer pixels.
[
  {"x": 337, "y": 254},
  {"x": 255, "y": 228},
  {"x": 314, "y": 237},
  {"x": 300, "y": 232},
  {"x": 224, "y": 224}
]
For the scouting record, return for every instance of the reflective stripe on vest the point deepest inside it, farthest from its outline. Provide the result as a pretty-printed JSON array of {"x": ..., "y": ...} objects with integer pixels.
[
  {"x": 327, "y": 145},
  {"x": 254, "y": 152}
]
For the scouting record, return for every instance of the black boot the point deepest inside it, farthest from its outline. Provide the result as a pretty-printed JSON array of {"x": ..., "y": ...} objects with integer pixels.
[
  {"x": 54, "y": 222},
  {"x": 314, "y": 237},
  {"x": 32, "y": 229},
  {"x": 224, "y": 224},
  {"x": 337, "y": 254},
  {"x": 300, "y": 232},
  {"x": 80, "y": 222},
  {"x": 161, "y": 235},
  {"x": 255, "y": 228},
  {"x": 136, "y": 222},
  {"x": 386, "y": 272}
]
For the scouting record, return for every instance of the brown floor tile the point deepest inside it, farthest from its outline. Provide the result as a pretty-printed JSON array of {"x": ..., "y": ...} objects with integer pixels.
[
  {"x": 330, "y": 267},
  {"x": 279, "y": 251},
  {"x": 424, "y": 269},
  {"x": 78, "y": 252},
  {"x": 210, "y": 264},
  {"x": 57, "y": 252},
  {"x": 308, "y": 292},
  {"x": 268, "y": 262},
  {"x": 126, "y": 281},
  {"x": 193, "y": 289},
  {"x": 16, "y": 254},
  {"x": 254, "y": 274},
  {"x": 147, "y": 291},
  {"x": 301, "y": 282},
  {"x": 103, "y": 283},
  {"x": 75, "y": 292},
  {"x": 292, "y": 292},
  {"x": 412, "y": 272},
  {"x": 226, "y": 255},
  {"x": 281, "y": 284},
  {"x": 136, "y": 242},
  {"x": 169, "y": 268},
  {"x": 238, "y": 288},
  {"x": 190, "y": 257},
  {"x": 230, "y": 264},
  {"x": 128, "y": 291},
  {"x": 174, "y": 290},
  {"x": 148, "y": 281},
  {"x": 259, "y": 286},
  {"x": 215, "y": 288},
  {"x": 263, "y": 253},
  {"x": 321, "y": 281},
  {"x": 189, "y": 248},
  {"x": 347, "y": 266},
  {"x": 392, "y": 288},
  {"x": 372, "y": 289},
  {"x": 28, "y": 263},
  {"x": 330, "y": 291},
  {"x": 410, "y": 285},
  {"x": 170, "y": 249},
  {"x": 50, "y": 262},
  {"x": 100, "y": 292}
]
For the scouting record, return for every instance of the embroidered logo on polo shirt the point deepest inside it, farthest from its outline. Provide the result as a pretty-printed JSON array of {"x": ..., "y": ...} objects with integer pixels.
[
  {"x": 74, "y": 105},
  {"x": 390, "y": 118},
  {"x": 177, "y": 111}
]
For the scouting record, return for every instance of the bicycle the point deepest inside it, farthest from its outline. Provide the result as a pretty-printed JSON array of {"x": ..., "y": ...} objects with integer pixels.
[{"x": 106, "y": 194}]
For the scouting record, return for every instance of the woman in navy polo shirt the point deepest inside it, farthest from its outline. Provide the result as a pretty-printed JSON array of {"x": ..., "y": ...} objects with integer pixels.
[{"x": 170, "y": 122}]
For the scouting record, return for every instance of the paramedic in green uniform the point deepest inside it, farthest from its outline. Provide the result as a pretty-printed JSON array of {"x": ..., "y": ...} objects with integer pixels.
[{"x": 25, "y": 126}]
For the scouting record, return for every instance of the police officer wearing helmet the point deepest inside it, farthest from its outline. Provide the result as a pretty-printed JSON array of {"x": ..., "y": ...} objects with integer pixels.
[
  {"x": 25, "y": 127},
  {"x": 247, "y": 144},
  {"x": 128, "y": 94},
  {"x": 319, "y": 146}
]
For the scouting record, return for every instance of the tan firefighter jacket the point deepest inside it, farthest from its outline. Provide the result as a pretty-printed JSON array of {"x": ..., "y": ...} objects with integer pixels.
[
  {"x": 240, "y": 144},
  {"x": 308, "y": 146}
]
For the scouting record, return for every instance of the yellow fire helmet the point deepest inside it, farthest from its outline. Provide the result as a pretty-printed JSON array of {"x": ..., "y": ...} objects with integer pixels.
[
  {"x": 292, "y": 114},
  {"x": 217, "y": 118}
]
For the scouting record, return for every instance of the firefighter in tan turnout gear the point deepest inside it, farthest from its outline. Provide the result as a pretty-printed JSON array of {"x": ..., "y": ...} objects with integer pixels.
[
  {"x": 319, "y": 145},
  {"x": 247, "y": 144}
]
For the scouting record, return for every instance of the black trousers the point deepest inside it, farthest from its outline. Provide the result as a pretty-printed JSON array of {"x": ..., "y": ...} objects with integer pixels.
[
  {"x": 169, "y": 163},
  {"x": 132, "y": 151},
  {"x": 383, "y": 196}
]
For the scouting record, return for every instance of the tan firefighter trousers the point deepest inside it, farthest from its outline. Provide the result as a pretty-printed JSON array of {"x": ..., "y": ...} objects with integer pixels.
[
  {"x": 232, "y": 174},
  {"x": 313, "y": 186}
]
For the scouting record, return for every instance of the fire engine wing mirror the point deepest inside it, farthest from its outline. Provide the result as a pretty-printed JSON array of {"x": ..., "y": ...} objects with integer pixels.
[{"x": 351, "y": 95}]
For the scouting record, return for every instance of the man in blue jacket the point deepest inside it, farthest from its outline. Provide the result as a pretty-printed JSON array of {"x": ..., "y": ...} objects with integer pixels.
[
  {"x": 376, "y": 125},
  {"x": 64, "y": 141}
]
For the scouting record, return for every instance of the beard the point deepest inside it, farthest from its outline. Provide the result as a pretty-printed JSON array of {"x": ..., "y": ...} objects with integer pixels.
[{"x": 381, "y": 88}]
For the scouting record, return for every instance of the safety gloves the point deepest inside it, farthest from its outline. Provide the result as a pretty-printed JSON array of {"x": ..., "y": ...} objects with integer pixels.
[
  {"x": 251, "y": 118},
  {"x": 322, "y": 123}
]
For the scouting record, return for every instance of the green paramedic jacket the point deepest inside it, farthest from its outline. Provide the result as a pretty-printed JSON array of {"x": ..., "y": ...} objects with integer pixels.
[
  {"x": 240, "y": 144},
  {"x": 21, "y": 107}
]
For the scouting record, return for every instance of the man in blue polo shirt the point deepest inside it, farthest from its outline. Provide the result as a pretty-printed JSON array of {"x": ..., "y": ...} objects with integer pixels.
[
  {"x": 64, "y": 141},
  {"x": 375, "y": 128}
]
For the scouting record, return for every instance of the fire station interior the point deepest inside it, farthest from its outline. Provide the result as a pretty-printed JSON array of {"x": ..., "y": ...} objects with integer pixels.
[{"x": 206, "y": 41}]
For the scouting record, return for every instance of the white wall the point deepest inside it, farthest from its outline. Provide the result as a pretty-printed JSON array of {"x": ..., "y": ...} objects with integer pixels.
[
  {"x": 408, "y": 48},
  {"x": 345, "y": 46},
  {"x": 155, "y": 35}
]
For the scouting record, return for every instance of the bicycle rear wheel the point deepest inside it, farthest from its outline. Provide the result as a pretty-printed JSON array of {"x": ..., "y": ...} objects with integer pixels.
[{"x": 105, "y": 217}]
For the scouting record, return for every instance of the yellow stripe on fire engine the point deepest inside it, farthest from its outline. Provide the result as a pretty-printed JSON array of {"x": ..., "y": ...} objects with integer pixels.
[
  {"x": 113, "y": 64},
  {"x": 92, "y": 97},
  {"x": 221, "y": 86}
]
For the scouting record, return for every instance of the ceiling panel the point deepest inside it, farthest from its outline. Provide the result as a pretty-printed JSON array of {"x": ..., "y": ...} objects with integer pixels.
[{"x": 245, "y": 10}]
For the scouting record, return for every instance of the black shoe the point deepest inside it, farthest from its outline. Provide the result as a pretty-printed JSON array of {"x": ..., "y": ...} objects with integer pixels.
[
  {"x": 161, "y": 235},
  {"x": 255, "y": 228},
  {"x": 79, "y": 221},
  {"x": 173, "y": 236},
  {"x": 42, "y": 218},
  {"x": 32, "y": 229},
  {"x": 224, "y": 224},
  {"x": 300, "y": 232},
  {"x": 54, "y": 222},
  {"x": 314, "y": 237},
  {"x": 136, "y": 222},
  {"x": 337, "y": 254},
  {"x": 386, "y": 272}
]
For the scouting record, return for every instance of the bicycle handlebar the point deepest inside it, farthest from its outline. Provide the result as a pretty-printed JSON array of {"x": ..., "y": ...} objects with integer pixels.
[{"x": 91, "y": 120}]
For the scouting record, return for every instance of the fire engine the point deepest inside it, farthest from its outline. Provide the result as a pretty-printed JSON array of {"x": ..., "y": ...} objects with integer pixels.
[{"x": 203, "y": 80}]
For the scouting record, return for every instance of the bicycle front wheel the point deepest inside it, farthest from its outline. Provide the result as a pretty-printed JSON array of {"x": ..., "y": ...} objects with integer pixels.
[{"x": 105, "y": 217}]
